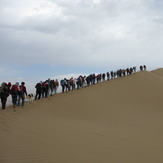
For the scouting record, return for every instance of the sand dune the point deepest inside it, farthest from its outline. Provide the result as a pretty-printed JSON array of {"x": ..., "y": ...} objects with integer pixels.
[
  {"x": 158, "y": 72},
  {"x": 117, "y": 121}
]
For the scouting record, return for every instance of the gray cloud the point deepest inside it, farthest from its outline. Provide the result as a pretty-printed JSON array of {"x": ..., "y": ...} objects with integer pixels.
[{"x": 82, "y": 32}]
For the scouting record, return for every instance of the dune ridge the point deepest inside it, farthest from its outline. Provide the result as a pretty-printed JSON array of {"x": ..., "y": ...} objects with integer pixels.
[
  {"x": 114, "y": 121},
  {"x": 158, "y": 72}
]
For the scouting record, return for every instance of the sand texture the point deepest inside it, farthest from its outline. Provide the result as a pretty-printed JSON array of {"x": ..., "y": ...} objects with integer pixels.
[{"x": 117, "y": 121}]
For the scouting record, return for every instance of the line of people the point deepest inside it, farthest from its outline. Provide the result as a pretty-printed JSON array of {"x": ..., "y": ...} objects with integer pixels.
[
  {"x": 46, "y": 88},
  {"x": 143, "y": 68},
  {"x": 16, "y": 91},
  {"x": 50, "y": 87},
  {"x": 82, "y": 81}
]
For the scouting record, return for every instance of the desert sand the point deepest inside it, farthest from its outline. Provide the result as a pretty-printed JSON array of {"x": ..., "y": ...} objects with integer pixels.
[{"x": 117, "y": 121}]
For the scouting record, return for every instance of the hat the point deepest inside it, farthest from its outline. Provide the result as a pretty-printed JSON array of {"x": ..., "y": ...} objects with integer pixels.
[
  {"x": 9, "y": 83},
  {"x": 16, "y": 83},
  {"x": 3, "y": 84}
]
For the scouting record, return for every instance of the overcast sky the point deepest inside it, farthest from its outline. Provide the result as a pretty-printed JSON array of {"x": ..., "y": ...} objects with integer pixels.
[{"x": 50, "y": 38}]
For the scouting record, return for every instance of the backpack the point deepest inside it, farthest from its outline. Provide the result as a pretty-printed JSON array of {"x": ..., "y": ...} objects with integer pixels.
[
  {"x": 14, "y": 89},
  {"x": 62, "y": 82},
  {"x": 44, "y": 86},
  {"x": 21, "y": 90},
  {"x": 52, "y": 83},
  {"x": 56, "y": 83},
  {"x": 4, "y": 89},
  {"x": 38, "y": 86}
]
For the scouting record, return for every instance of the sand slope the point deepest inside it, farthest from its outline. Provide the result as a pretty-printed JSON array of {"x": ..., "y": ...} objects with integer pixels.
[
  {"x": 117, "y": 121},
  {"x": 158, "y": 72}
]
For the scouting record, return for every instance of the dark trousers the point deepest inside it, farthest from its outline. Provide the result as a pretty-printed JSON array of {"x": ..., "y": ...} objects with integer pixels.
[
  {"x": 63, "y": 88},
  {"x": 38, "y": 93},
  {"x": 14, "y": 98},
  {"x": 4, "y": 100}
]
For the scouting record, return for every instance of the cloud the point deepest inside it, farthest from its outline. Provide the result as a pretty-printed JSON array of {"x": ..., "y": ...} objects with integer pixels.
[
  {"x": 6, "y": 71},
  {"x": 90, "y": 33},
  {"x": 10, "y": 74}
]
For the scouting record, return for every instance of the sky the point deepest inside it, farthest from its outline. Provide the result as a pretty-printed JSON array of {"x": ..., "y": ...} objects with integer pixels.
[{"x": 42, "y": 39}]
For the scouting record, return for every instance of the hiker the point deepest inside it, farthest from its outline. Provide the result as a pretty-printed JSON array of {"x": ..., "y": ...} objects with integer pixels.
[
  {"x": 67, "y": 84},
  {"x": 45, "y": 89},
  {"x": 118, "y": 73},
  {"x": 38, "y": 90},
  {"x": 21, "y": 94},
  {"x": 134, "y": 68},
  {"x": 14, "y": 93},
  {"x": 71, "y": 83},
  {"x": 103, "y": 76},
  {"x": 9, "y": 87},
  {"x": 52, "y": 87},
  {"x": 100, "y": 77},
  {"x": 145, "y": 68},
  {"x": 112, "y": 74},
  {"x": 108, "y": 75},
  {"x": 141, "y": 68},
  {"x": 79, "y": 82},
  {"x": 131, "y": 70},
  {"x": 88, "y": 80},
  {"x": 74, "y": 83},
  {"x": 4, "y": 93},
  {"x": 56, "y": 85},
  {"x": 48, "y": 88},
  {"x": 97, "y": 78},
  {"x": 128, "y": 71},
  {"x": 63, "y": 82},
  {"x": 124, "y": 72}
]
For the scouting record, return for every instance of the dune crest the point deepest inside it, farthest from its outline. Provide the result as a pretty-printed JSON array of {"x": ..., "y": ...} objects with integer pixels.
[
  {"x": 158, "y": 72},
  {"x": 114, "y": 121}
]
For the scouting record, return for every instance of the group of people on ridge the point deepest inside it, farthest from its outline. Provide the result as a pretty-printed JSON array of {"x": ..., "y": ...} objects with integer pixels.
[
  {"x": 82, "y": 81},
  {"x": 143, "y": 68},
  {"x": 46, "y": 88},
  {"x": 17, "y": 92},
  {"x": 50, "y": 87}
]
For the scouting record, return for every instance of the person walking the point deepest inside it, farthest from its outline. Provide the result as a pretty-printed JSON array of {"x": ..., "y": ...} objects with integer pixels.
[
  {"x": 141, "y": 68},
  {"x": 56, "y": 85},
  {"x": 21, "y": 94},
  {"x": 14, "y": 93},
  {"x": 145, "y": 68},
  {"x": 63, "y": 83},
  {"x": 108, "y": 75},
  {"x": 38, "y": 90},
  {"x": 44, "y": 89},
  {"x": 4, "y": 93},
  {"x": 52, "y": 87}
]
